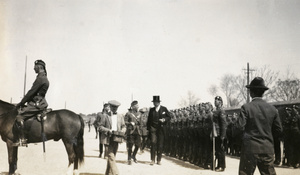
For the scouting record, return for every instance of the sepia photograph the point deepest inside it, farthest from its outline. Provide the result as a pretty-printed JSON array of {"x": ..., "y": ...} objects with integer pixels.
[{"x": 143, "y": 87}]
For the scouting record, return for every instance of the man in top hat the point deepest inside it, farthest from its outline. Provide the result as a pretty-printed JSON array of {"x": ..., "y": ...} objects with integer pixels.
[
  {"x": 157, "y": 119},
  {"x": 132, "y": 121},
  {"x": 110, "y": 124},
  {"x": 35, "y": 99},
  {"x": 260, "y": 122}
]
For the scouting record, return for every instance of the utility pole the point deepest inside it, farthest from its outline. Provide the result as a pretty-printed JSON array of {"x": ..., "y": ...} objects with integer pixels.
[
  {"x": 248, "y": 80},
  {"x": 25, "y": 77}
]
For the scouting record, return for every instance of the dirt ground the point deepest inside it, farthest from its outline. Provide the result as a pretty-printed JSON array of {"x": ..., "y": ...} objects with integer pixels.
[{"x": 32, "y": 161}]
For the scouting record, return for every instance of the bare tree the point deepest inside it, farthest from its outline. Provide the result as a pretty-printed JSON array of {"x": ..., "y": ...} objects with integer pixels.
[
  {"x": 213, "y": 90},
  {"x": 286, "y": 90},
  {"x": 270, "y": 78},
  {"x": 191, "y": 99},
  {"x": 229, "y": 89},
  {"x": 240, "y": 84}
]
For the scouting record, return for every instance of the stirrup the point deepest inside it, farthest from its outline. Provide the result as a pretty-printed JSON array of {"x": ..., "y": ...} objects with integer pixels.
[{"x": 21, "y": 142}]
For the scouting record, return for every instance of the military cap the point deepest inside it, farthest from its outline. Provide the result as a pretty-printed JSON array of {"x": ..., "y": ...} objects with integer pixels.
[
  {"x": 218, "y": 98},
  {"x": 40, "y": 62},
  {"x": 134, "y": 103},
  {"x": 114, "y": 103}
]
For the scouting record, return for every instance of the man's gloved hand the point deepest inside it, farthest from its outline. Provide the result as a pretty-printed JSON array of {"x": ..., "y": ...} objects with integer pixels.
[{"x": 19, "y": 105}]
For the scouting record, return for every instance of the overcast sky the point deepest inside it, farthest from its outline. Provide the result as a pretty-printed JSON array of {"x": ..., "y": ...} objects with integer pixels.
[{"x": 97, "y": 51}]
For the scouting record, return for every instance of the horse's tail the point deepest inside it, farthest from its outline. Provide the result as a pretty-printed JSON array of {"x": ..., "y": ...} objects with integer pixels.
[{"x": 78, "y": 148}]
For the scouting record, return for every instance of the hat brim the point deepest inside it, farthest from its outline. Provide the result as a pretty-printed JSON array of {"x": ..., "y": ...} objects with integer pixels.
[{"x": 257, "y": 87}]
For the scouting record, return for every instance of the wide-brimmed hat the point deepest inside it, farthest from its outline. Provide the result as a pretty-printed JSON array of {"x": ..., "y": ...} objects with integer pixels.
[
  {"x": 257, "y": 83},
  {"x": 156, "y": 99}
]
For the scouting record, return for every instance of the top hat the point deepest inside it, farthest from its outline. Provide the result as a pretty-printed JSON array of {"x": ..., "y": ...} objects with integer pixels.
[
  {"x": 257, "y": 83},
  {"x": 156, "y": 99}
]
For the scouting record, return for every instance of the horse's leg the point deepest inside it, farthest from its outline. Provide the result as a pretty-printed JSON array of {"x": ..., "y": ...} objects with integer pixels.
[
  {"x": 12, "y": 157},
  {"x": 71, "y": 155}
]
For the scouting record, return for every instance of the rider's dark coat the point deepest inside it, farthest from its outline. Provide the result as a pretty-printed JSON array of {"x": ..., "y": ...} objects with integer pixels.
[{"x": 35, "y": 97}]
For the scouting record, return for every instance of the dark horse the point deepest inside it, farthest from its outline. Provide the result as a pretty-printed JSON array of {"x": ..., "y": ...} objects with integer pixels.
[{"x": 59, "y": 124}]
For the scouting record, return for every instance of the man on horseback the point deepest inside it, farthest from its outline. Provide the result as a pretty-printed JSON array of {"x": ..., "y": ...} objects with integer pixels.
[{"x": 35, "y": 99}]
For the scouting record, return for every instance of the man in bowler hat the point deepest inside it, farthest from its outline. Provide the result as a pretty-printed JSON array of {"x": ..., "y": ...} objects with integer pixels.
[
  {"x": 259, "y": 122},
  {"x": 156, "y": 125}
]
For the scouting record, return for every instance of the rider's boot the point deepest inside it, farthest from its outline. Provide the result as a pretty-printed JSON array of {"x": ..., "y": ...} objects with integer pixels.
[{"x": 21, "y": 141}]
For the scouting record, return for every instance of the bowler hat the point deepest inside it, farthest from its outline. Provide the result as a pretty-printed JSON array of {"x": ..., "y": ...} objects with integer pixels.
[
  {"x": 114, "y": 103},
  {"x": 257, "y": 83},
  {"x": 156, "y": 99}
]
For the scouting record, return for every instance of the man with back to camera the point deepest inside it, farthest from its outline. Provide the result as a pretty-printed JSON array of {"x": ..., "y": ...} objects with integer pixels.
[
  {"x": 260, "y": 122},
  {"x": 157, "y": 119}
]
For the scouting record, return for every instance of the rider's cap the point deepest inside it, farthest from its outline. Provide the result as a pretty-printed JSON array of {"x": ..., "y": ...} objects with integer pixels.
[{"x": 40, "y": 62}]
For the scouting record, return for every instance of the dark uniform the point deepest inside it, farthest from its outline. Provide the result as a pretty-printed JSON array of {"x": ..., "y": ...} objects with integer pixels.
[
  {"x": 143, "y": 128},
  {"x": 35, "y": 98},
  {"x": 295, "y": 136},
  {"x": 219, "y": 120},
  {"x": 133, "y": 133},
  {"x": 207, "y": 132}
]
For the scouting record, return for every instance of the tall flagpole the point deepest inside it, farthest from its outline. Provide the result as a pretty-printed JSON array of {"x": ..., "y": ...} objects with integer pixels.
[{"x": 25, "y": 77}]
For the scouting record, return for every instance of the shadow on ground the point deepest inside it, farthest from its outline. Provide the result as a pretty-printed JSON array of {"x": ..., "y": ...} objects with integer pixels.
[
  {"x": 89, "y": 156},
  {"x": 90, "y": 174},
  {"x": 176, "y": 161}
]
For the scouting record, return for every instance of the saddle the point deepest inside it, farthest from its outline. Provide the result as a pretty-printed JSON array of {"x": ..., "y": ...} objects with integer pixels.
[
  {"x": 43, "y": 115},
  {"x": 22, "y": 130}
]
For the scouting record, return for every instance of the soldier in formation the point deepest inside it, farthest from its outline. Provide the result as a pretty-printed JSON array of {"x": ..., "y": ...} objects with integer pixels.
[{"x": 189, "y": 135}]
